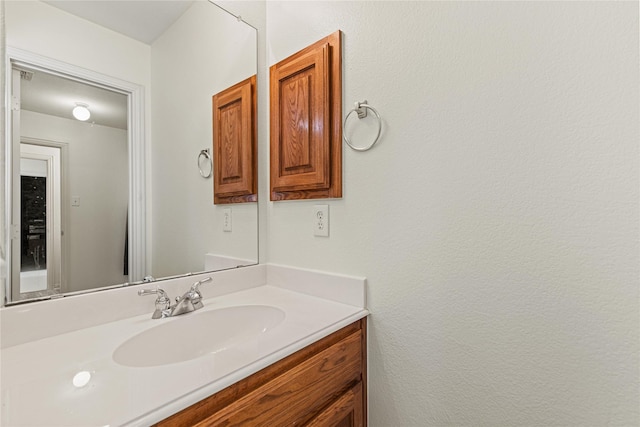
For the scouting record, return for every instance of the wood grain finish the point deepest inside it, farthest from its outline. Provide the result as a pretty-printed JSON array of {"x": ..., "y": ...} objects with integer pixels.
[
  {"x": 318, "y": 385},
  {"x": 235, "y": 143},
  {"x": 347, "y": 411},
  {"x": 306, "y": 122}
]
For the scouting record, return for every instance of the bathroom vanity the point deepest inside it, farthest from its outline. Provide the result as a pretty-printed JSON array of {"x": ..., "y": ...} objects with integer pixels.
[
  {"x": 323, "y": 384},
  {"x": 272, "y": 345}
]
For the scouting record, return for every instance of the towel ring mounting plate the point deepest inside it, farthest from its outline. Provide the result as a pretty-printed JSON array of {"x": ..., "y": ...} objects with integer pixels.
[{"x": 361, "y": 109}]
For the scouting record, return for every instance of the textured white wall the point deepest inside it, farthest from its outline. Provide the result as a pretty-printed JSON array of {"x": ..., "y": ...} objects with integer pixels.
[
  {"x": 97, "y": 165},
  {"x": 206, "y": 51},
  {"x": 497, "y": 219}
]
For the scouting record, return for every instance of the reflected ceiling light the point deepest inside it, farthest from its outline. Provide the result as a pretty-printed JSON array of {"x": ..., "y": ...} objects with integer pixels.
[
  {"x": 81, "y": 379},
  {"x": 81, "y": 111}
]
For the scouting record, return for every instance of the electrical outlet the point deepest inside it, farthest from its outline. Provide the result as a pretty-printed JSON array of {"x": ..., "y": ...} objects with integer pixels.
[
  {"x": 226, "y": 220},
  {"x": 321, "y": 220}
]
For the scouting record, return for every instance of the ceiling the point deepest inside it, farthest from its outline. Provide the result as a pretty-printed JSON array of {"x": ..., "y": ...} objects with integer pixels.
[{"x": 142, "y": 20}]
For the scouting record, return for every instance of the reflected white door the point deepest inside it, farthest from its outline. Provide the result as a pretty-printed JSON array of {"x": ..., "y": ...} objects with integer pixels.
[{"x": 38, "y": 247}]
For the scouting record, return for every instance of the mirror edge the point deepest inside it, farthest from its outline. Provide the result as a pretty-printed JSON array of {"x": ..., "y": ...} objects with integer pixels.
[{"x": 3, "y": 156}]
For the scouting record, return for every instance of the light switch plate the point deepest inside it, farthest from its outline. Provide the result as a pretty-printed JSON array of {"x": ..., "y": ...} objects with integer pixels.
[{"x": 226, "y": 219}]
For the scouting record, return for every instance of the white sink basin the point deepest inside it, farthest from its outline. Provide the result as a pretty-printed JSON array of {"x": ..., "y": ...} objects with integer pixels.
[{"x": 195, "y": 334}]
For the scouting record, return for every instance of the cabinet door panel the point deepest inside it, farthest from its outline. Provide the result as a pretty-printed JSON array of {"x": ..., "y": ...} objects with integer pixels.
[
  {"x": 347, "y": 411},
  {"x": 306, "y": 122},
  {"x": 234, "y": 143},
  {"x": 302, "y": 98}
]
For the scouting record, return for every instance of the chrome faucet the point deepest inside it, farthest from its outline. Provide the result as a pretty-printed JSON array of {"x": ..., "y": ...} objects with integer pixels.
[
  {"x": 163, "y": 303},
  {"x": 190, "y": 301}
]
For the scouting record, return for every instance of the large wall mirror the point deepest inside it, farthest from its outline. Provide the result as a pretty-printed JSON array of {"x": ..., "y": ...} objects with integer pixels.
[{"x": 118, "y": 197}]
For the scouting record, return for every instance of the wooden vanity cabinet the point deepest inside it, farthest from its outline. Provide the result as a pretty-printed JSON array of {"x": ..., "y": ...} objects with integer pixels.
[{"x": 322, "y": 385}]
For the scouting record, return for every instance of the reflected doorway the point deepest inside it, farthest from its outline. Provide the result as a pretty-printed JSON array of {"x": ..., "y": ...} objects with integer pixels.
[
  {"x": 41, "y": 215},
  {"x": 102, "y": 227}
]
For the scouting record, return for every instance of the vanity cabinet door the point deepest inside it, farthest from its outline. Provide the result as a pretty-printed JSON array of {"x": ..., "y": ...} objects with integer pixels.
[{"x": 347, "y": 411}]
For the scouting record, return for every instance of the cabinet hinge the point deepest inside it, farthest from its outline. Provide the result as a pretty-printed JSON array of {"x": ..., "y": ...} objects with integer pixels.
[
  {"x": 15, "y": 103},
  {"x": 15, "y": 231}
]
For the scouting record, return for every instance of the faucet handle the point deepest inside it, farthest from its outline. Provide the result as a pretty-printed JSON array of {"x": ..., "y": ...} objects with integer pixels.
[
  {"x": 196, "y": 296},
  {"x": 196, "y": 286},
  {"x": 163, "y": 302},
  {"x": 161, "y": 294}
]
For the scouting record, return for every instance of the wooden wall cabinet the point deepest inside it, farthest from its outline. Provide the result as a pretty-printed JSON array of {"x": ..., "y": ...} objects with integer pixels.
[
  {"x": 235, "y": 144},
  {"x": 322, "y": 385},
  {"x": 306, "y": 122}
]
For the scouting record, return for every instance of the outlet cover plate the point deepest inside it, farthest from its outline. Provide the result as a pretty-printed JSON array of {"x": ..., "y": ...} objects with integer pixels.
[{"x": 321, "y": 220}]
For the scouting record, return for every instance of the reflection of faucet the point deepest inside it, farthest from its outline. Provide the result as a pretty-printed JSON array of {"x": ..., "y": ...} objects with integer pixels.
[
  {"x": 163, "y": 303},
  {"x": 190, "y": 301}
]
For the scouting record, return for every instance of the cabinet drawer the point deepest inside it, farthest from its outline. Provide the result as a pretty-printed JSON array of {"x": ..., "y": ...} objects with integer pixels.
[{"x": 298, "y": 394}]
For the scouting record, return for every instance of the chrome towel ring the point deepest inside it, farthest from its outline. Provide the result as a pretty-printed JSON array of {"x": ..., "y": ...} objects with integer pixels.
[
  {"x": 207, "y": 156},
  {"x": 361, "y": 108}
]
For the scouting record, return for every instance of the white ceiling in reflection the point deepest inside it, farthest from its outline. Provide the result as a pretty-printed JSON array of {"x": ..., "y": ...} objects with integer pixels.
[
  {"x": 143, "y": 20},
  {"x": 57, "y": 96}
]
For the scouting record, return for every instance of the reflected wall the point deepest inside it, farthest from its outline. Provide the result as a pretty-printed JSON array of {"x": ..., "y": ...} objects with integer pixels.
[{"x": 219, "y": 55}]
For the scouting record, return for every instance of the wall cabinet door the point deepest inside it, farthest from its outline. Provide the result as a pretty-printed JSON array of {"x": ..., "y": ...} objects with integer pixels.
[{"x": 306, "y": 122}]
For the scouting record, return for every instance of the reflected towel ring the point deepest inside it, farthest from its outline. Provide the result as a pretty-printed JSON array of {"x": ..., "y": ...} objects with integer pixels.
[
  {"x": 206, "y": 154},
  {"x": 361, "y": 108}
]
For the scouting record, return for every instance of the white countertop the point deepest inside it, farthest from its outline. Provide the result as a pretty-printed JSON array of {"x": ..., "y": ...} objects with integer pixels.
[{"x": 36, "y": 377}]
